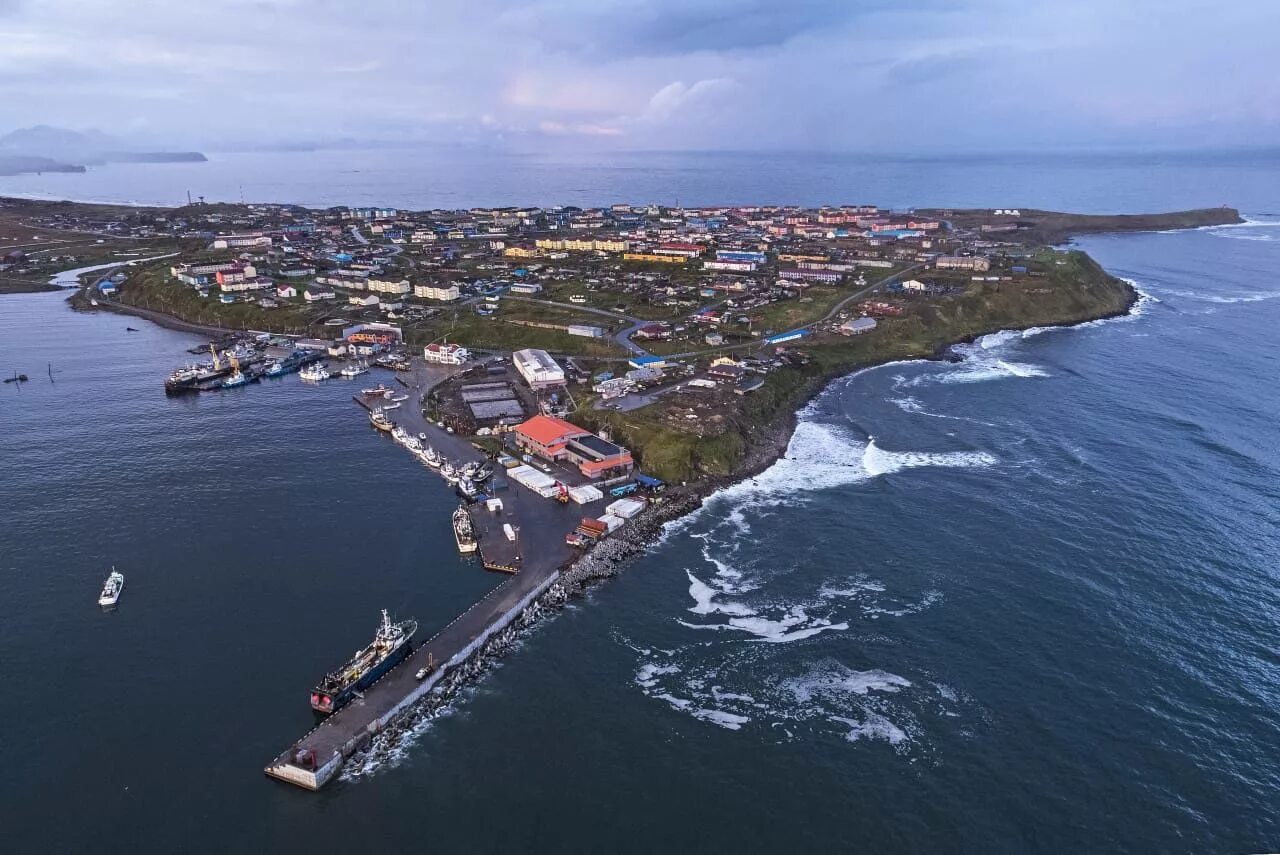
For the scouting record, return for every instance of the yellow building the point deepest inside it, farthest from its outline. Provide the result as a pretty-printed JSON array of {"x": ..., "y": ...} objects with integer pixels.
[
  {"x": 648, "y": 256},
  {"x": 581, "y": 245},
  {"x": 520, "y": 252}
]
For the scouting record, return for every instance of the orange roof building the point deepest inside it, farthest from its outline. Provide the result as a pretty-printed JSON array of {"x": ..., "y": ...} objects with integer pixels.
[{"x": 555, "y": 439}]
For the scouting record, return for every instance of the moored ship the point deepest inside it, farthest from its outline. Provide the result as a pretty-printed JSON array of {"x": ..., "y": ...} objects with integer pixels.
[
  {"x": 379, "y": 420},
  {"x": 464, "y": 531},
  {"x": 390, "y": 645}
]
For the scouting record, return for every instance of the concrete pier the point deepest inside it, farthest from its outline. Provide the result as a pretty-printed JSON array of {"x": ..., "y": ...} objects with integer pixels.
[{"x": 533, "y": 559}]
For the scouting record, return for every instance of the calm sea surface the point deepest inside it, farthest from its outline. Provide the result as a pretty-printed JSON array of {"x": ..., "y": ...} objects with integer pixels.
[{"x": 1027, "y": 602}]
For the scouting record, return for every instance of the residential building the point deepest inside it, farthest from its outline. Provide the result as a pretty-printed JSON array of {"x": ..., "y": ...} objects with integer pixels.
[
  {"x": 976, "y": 263},
  {"x": 430, "y": 291},
  {"x": 446, "y": 354},
  {"x": 389, "y": 286}
]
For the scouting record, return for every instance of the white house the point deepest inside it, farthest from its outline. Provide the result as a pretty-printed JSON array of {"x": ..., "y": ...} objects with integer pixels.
[
  {"x": 363, "y": 300},
  {"x": 286, "y": 292},
  {"x": 315, "y": 295},
  {"x": 446, "y": 354}
]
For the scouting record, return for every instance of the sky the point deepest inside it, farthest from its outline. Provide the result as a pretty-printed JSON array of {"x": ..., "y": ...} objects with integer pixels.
[{"x": 832, "y": 75}]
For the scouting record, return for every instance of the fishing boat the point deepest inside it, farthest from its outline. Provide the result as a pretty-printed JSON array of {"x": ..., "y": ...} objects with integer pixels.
[
  {"x": 292, "y": 362},
  {"x": 390, "y": 406},
  {"x": 464, "y": 532},
  {"x": 379, "y": 420},
  {"x": 111, "y": 588},
  {"x": 315, "y": 372},
  {"x": 376, "y": 391},
  {"x": 399, "y": 397},
  {"x": 391, "y": 644},
  {"x": 432, "y": 458},
  {"x": 467, "y": 488},
  {"x": 399, "y": 434},
  {"x": 355, "y": 369}
]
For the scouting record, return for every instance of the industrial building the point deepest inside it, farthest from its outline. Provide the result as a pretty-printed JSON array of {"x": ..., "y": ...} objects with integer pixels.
[
  {"x": 555, "y": 439},
  {"x": 538, "y": 369}
]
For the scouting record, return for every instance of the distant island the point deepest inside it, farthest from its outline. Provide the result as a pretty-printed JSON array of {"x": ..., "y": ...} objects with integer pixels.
[{"x": 47, "y": 149}]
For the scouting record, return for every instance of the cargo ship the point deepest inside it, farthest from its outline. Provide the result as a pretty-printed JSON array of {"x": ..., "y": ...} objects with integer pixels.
[
  {"x": 191, "y": 378},
  {"x": 464, "y": 531},
  {"x": 390, "y": 645}
]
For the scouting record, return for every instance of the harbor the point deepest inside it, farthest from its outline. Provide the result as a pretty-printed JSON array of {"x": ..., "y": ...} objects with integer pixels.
[{"x": 518, "y": 532}]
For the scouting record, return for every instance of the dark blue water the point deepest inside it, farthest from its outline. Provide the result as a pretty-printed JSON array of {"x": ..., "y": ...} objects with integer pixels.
[{"x": 1023, "y": 603}]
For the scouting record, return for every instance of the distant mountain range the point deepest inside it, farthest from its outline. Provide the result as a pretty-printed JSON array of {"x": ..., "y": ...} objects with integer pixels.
[{"x": 47, "y": 149}]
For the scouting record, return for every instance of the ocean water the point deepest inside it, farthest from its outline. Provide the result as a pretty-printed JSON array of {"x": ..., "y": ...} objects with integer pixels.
[
  {"x": 413, "y": 178},
  {"x": 1025, "y": 602}
]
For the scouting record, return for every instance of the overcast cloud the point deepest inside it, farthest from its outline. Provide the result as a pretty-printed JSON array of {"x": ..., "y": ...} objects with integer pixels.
[{"x": 804, "y": 74}]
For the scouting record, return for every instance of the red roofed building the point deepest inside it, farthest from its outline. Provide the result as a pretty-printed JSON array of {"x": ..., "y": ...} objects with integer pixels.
[
  {"x": 555, "y": 439},
  {"x": 684, "y": 250}
]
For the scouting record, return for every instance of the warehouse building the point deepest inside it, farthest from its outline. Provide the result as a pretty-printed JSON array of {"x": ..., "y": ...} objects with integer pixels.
[
  {"x": 538, "y": 369},
  {"x": 555, "y": 439}
]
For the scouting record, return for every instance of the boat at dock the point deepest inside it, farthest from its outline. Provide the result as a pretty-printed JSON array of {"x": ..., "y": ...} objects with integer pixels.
[
  {"x": 111, "y": 588},
  {"x": 379, "y": 420},
  {"x": 431, "y": 457},
  {"x": 464, "y": 531},
  {"x": 293, "y": 362},
  {"x": 315, "y": 372},
  {"x": 379, "y": 391},
  {"x": 355, "y": 369},
  {"x": 391, "y": 644},
  {"x": 390, "y": 406}
]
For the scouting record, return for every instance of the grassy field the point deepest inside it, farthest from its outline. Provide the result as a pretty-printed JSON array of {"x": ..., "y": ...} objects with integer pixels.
[{"x": 496, "y": 332}]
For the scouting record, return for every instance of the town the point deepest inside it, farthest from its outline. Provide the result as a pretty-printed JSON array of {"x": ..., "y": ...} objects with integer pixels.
[
  {"x": 653, "y": 322},
  {"x": 577, "y": 377}
]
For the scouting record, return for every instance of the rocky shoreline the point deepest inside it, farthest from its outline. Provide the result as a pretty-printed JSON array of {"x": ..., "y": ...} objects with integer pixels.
[{"x": 607, "y": 560}]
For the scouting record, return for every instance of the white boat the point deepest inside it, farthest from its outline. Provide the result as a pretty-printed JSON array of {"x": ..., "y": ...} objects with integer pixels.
[
  {"x": 399, "y": 397},
  {"x": 432, "y": 458},
  {"x": 315, "y": 372},
  {"x": 355, "y": 369},
  {"x": 111, "y": 588},
  {"x": 399, "y": 434},
  {"x": 380, "y": 389},
  {"x": 390, "y": 406}
]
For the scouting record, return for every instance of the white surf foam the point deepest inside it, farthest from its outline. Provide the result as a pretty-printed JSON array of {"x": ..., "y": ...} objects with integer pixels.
[
  {"x": 875, "y": 726},
  {"x": 704, "y": 598},
  {"x": 1253, "y": 297},
  {"x": 836, "y": 681},
  {"x": 877, "y": 461}
]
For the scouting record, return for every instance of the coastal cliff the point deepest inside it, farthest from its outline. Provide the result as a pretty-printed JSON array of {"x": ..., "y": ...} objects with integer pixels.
[{"x": 750, "y": 437}]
